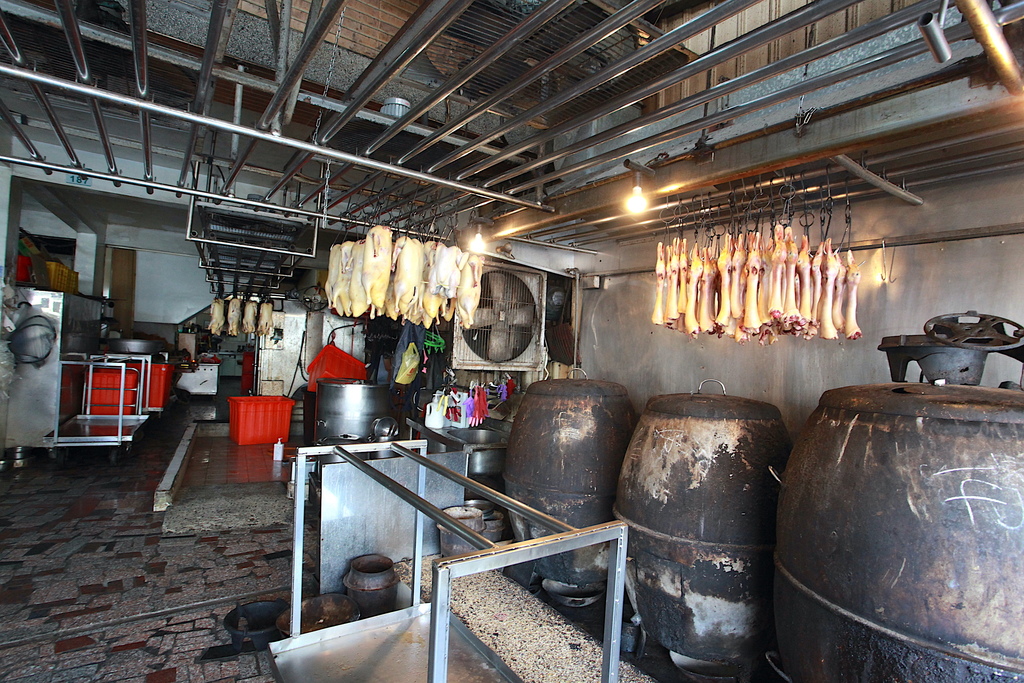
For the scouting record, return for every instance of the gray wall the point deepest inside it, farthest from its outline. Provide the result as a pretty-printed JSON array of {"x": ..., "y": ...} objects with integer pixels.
[{"x": 619, "y": 343}]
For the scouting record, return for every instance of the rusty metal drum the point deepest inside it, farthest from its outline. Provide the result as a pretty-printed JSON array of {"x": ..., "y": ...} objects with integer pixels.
[
  {"x": 564, "y": 455},
  {"x": 901, "y": 537},
  {"x": 699, "y": 499}
]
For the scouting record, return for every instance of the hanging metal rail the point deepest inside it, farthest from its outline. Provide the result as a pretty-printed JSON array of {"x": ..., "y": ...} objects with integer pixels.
[{"x": 257, "y": 135}]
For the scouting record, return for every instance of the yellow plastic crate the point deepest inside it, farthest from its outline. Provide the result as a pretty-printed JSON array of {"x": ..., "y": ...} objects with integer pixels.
[{"x": 62, "y": 278}]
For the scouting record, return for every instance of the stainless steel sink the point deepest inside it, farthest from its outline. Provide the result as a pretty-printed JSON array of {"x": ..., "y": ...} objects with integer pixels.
[{"x": 486, "y": 448}]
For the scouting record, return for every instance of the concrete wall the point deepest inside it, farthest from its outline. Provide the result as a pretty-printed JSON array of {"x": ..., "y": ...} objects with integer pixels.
[{"x": 619, "y": 342}]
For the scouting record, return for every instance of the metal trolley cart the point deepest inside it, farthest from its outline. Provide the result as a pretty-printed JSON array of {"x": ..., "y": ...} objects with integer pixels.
[
  {"x": 83, "y": 421},
  {"x": 427, "y": 642}
]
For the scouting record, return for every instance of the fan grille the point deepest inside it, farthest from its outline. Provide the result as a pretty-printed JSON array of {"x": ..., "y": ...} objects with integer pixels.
[{"x": 508, "y": 322}]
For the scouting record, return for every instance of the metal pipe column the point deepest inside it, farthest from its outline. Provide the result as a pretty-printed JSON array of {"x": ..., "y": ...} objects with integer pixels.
[
  {"x": 989, "y": 34},
  {"x": 74, "y": 36}
]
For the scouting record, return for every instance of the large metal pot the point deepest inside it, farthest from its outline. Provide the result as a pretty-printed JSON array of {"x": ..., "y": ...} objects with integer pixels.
[
  {"x": 901, "y": 537},
  {"x": 699, "y": 499},
  {"x": 346, "y": 409},
  {"x": 564, "y": 456},
  {"x": 139, "y": 347}
]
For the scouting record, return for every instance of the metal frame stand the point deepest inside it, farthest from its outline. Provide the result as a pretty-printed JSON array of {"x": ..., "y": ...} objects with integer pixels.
[{"x": 564, "y": 538}]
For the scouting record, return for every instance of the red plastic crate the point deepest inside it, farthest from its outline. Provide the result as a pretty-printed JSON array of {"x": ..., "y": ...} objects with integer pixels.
[
  {"x": 259, "y": 419},
  {"x": 160, "y": 375},
  {"x": 110, "y": 378},
  {"x": 106, "y": 390}
]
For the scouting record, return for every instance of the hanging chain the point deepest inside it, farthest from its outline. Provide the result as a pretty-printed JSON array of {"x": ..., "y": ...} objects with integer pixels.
[{"x": 326, "y": 193}]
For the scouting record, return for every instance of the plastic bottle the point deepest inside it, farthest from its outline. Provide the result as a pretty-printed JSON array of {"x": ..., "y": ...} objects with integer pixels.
[{"x": 278, "y": 450}]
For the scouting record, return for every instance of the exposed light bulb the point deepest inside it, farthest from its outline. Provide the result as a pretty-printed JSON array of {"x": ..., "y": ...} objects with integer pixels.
[
  {"x": 477, "y": 245},
  {"x": 637, "y": 202}
]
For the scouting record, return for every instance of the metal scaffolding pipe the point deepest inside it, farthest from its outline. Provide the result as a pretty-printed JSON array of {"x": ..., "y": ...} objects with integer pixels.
[
  {"x": 337, "y": 155},
  {"x": 137, "y": 10},
  {"x": 523, "y": 30},
  {"x": 583, "y": 42},
  {"x": 313, "y": 40},
  {"x": 411, "y": 39},
  {"x": 69, "y": 21},
  {"x": 345, "y": 168},
  {"x": 667, "y": 42},
  {"x": 55, "y": 123},
  {"x": 858, "y": 35},
  {"x": 288, "y": 82},
  {"x": 990, "y": 36},
  {"x": 19, "y": 132},
  {"x": 384, "y": 192},
  {"x": 875, "y": 180},
  {"x": 9, "y": 42},
  {"x": 173, "y": 189},
  {"x": 72, "y": 32},
  {"x": 218, "y": 15},
  {"x": 763, "y": 35},
  {"x": 415, "y": 36},
  {"x": 356, "y": 189}
]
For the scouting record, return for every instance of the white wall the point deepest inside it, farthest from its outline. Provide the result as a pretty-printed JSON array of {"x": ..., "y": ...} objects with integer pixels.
[
  {"x": 621, "y": 344},
  {"x": 168, "y": 288}
]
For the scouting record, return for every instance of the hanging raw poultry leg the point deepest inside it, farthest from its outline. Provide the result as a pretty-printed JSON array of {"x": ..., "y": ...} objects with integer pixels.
[
  {"x": 660, "y": 272},
  {"x": 672, "y": 284},
  {"x": 725, "y": 278},
  {"x": 691, "y": 324},
  {"x": 830, "y": 270},
  {"x": 706, "y": 317},
  {"x": 752, "y": 319},
  {"x": 838, "y": 296},
  {"x": 684, "y": 272},
  {"x": 852, "y": 329}
]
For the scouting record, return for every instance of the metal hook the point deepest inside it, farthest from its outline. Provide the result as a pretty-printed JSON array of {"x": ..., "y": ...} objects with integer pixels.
[{"x": 887, "y": 272}]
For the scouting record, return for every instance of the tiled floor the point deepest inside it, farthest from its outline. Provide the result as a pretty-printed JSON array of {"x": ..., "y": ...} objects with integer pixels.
[
  {"x": 92, "y": 590},
  {"x": 218, "y": 460}
]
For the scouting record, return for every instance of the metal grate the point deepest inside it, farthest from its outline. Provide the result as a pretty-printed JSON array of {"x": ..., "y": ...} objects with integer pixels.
[{"x": 487, "y": 21}]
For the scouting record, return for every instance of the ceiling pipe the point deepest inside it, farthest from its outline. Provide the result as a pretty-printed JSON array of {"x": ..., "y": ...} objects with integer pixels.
[
  {"x": 355, "y": 189},
  {"x": 804, "y": 87},
  {"x": 930, "y": 27},
  {"x": 73, "y": 34},
  {"x": 263, "y": 136},
  {"x": 323, "y": 184},
  {"x": 760, "y": 36},
  {"x": 174, "y": 189},
  {"x": 596, "y": 235},
  {"x": 220, "y": 16},
  {"x": 383, "y": 192},
  {"x": 656, "y": 47},
  {"x": 411, "y": 39},
  {"x": 10, "y": 44},
  {"x": 585, "y": 41},
  {"x": 293, "y": 76},
  {"x": 19, "y": 132},
  {"x": 1006, "y": 15},
  {"x": 989, "y": 35},
  {"x": 55, "y": 123},
  {"x": 858, "y": 35},
  {"x": 533, "y": 22},
  {"x": 137, "y": 10}
]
